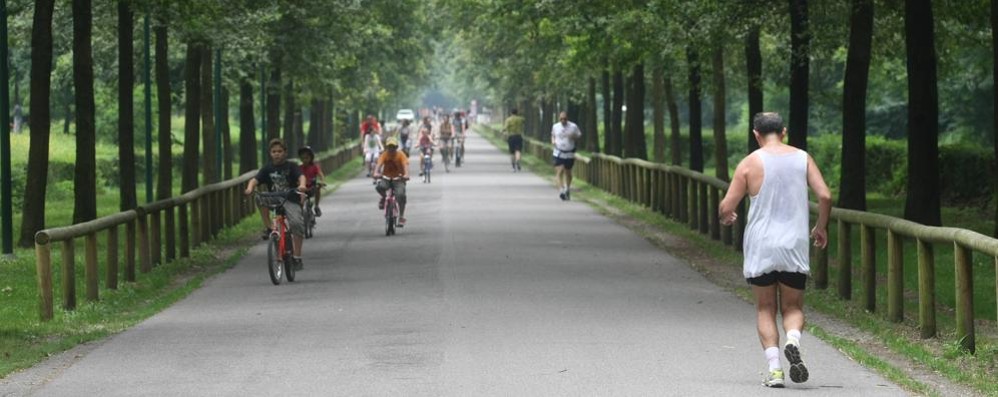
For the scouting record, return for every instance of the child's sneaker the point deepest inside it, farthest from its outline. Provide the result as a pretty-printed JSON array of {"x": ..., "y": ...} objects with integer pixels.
[
  {"x": 798, "y": 372},
  {"x": 775, "y": 379}
]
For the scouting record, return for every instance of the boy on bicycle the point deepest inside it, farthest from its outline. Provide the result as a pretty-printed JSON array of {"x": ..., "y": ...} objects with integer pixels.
[
  {"x": 392, "y": 164},
  {"x": 313, "y": 175},
  {"x": 425, "y": 143},
  {"x": 372, "y": 148},
  {"x": 283, "y": 176}
]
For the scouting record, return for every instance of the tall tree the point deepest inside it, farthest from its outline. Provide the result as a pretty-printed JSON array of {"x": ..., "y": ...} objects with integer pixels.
[
  {"x": 696, "y": 135},
  {"x": 607, "y": 109},
  {"x": 852, "y": 193},
  {"x": 164, "y": 182},
  {"x": 720, "y": 135},
  {"x": 223, "y": 114},
  {"x": 85, "y": 180},
  {"x": 208, "y": 140},
  {"x": 616, "y": 141},
  {"x": 753, "y": 65},
  {"x": 922, "y": 203},
  {"x": 636, "y": 145},
  {"x": 274, "y": 104},
  {"x": 33, "y": 214},
  {"x": 592, "y": 121},
  {"x": 675, "y": 143},
  {"x": 800, "y": 53},
  {"x": 289, "y": 116},
  {"x": 126, "y": 105},
  {"x": 658, "y": 113},
  {"x": 247, "y": 128},
  {"x": 994, "y": 128},
  {"x": 192, "y": 116}
]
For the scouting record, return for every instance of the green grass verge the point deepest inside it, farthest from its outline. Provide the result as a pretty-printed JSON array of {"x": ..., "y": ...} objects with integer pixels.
[
  {"x": 976, "y": 371},
  {"x": 25, "y": 340}
]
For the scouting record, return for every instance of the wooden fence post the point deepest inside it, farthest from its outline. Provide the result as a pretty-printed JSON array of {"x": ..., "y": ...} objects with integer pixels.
[
  {"x": 130, "y": 251},
  {"x": 112, "y": 258},
  {"x": 68, "y": 275},
  {"x": 868, "y": 248},
  {"x": 712, "y": 216},
  {"x": 926, "y": 289},
  {"x": 43, "y": 265},
  {"x": 820, "y": 269},
  {"x": 895, "y": 277},
  {"x": 144, "y": 256},
  {"x": 845, "y": 261},
  {"x": 156, "y": 243},
  {"x": 90, "y": 273},
  {"x": 963, "y": 261},
  {"x": 195, "y": 222},
  {"x": 693, "y": 213},
  {"x": 184, "y": 228}
]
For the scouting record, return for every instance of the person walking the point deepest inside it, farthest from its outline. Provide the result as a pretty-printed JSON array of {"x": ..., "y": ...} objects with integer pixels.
[
  {"x": 776, "y": 177},
  {"x": 513, "y": 130},
  {"x": 564, "y": 133}
]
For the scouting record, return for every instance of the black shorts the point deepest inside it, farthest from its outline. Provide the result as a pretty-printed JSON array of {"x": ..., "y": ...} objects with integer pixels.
[
  {"x": 791, "y": 279},
  {"x": 515, "y": 143},
  {"x": 567, "y": 163}
]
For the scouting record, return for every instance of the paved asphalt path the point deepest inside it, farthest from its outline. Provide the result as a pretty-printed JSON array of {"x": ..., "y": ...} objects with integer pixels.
[{"x": 496, "y": 288}]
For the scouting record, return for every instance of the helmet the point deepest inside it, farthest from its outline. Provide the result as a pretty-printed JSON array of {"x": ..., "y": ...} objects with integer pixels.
[
  {"x": 306, "y": 149},
  {"x": 392, "y": 142}
]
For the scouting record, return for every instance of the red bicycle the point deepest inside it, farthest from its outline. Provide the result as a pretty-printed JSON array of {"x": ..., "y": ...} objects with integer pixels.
[
  {"x": 280, "y": 262},
  {"x": 391, "y": 205}
]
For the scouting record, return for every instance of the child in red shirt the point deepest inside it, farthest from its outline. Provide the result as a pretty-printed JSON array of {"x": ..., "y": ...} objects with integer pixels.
[{"x": 312, "y": 174}]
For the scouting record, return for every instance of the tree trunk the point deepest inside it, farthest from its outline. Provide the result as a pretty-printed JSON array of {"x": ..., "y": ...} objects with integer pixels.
[
  {"x": 636, "y": 145},
  {"x": 164, "y": 183},
  {"x": 753, "y": 65},
  {"x": 126, "y": 106},
  {"x": 192, "y": 116},
  {"x": 299, "y": 130},
  {"x": 223, "y": 114},
  {"x": 800, "y": 42},
  {"x": 616, "y": 126},
  {"x": 676, "y": 146},
  {"x": 314, "y": 117},
  {"x": 247, "y": 128},
  {"x": 209, "y": 154},
  {"x": 548, "y": 107},
  {"x": 607, "y": 111},
  {"x": 994, "y": 128},
  {"x": 33, "y": 212},
  {"x": 85, "y": 180},
  {"x": 658, "y": 113},
  {"x": 274, "y": 105},
  {"x": 696, "y": 135},
  {"x": 720, "y": 134},
  {"x": 289, "y": 117},
  {"x": 852, "y": 193},
  {"x": 592, "y": 122},
  {"x": 922, "y": 204}
]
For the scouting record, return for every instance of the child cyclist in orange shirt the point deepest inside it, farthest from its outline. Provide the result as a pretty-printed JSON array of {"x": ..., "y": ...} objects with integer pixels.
[
  {"x": 313, "y": 174},
  {"x": 392, "y": 164}
]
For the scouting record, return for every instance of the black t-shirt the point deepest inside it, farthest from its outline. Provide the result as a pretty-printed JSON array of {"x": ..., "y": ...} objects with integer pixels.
[{"x": 280, "y": 178}]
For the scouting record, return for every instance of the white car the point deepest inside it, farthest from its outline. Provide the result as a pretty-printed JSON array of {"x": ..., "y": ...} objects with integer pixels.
[{"x": 405, "y": 114}]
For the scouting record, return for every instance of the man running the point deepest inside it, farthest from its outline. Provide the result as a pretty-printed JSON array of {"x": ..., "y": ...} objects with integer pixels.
[
  {"x": 563, "y": 136},
  {"x": 513, "y": 129},
  {"x": 776, "y": 177}
]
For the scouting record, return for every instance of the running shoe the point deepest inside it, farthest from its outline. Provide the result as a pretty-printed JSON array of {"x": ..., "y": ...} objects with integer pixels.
[
  {"x": 798, "y": 372},
  {"x": 562, "y": 196},
  {"x": 299, "y": 264},
  {"x": 401, "y": 222},
  {"x": 775, "y": 379}
]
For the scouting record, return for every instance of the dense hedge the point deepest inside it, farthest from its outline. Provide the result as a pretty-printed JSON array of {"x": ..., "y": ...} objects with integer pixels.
[{"x": 967, "y": 173}]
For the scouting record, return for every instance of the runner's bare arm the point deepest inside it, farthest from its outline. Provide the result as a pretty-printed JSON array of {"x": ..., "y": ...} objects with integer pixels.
[
  {"x": 736, "y": 191},
  {"x": 817, "y": 184}
]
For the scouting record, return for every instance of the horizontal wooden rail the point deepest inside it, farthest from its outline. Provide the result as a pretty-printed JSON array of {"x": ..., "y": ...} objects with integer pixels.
[
  {"x": 211, "y": 208},
  {"x": 692, "y": 198}
]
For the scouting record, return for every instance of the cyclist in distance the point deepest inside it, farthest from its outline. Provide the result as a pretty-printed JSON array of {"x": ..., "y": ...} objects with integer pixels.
[
  {"x": 426, "y": 140},
  {"x": 460, "y": 130},
  {"x": 404, "y": 132},
  {"x": 283, "y": 176},
  {"x": 372, "y": 148},
  {"x": 313, "y": 173},
  {"x": 446, "y": 133},
  {"x": 369, "y": 124},
  {"x": 392, "y": 164}
]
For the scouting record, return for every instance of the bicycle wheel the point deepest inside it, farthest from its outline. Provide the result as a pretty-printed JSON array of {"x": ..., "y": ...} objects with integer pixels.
[
  {"x": 289, "y": 273},
  {"x": 309, "y": 218},
  {"x": 275, "y": 262}
]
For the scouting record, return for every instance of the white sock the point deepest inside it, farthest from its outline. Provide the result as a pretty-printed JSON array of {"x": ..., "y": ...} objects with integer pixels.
[
  {"x": 773, "y": 356},
  {"x": 794, "y": 334}
]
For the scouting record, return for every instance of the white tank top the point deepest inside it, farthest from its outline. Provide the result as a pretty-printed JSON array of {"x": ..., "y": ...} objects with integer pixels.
[{"x": 776, "y": 237}]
